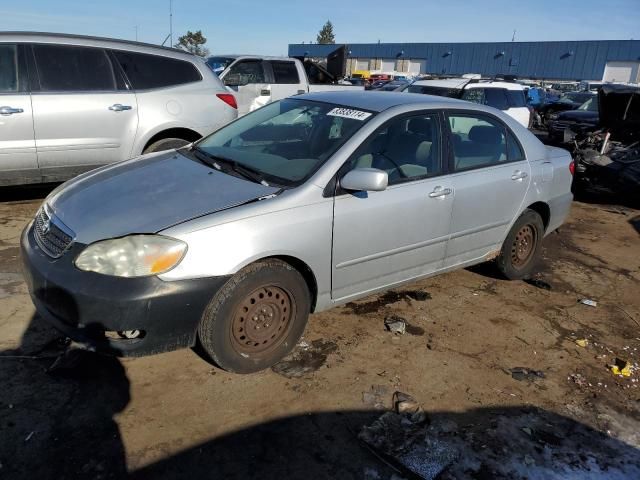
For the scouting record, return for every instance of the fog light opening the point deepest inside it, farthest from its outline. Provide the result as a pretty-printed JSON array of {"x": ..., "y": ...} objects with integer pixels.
[{"x": 131, "y": 334}]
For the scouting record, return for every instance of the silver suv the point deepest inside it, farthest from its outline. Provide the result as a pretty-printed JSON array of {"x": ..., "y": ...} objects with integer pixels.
[{"x": 69, "y": 104}]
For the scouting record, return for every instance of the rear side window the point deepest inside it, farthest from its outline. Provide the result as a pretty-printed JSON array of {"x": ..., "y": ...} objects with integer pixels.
[
  {"x": 12, "y": 75},
  {"x": 73, "y": 69},
  {"x": 477, "y": 141},
  {"x": 285, "y": 72},
  {"x": 516, "y": 98},
  {"x": 154, "y": 71},
  {"x": 496, "y": 98}
]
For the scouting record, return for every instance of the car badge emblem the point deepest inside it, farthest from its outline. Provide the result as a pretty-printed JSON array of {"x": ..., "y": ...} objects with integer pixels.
[{"x": 46, "y": 227}]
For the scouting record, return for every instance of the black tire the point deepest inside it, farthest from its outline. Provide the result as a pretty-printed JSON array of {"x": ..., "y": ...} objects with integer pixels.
[
  {"x": 521, "y": 249},
  {"x": 256, "y": 318},
  {"x": 166, "y": 144}
]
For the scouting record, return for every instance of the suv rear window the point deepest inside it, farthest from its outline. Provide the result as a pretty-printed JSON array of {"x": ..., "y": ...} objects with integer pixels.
[
  {"x": 439, "y": 91},
  {"x": 154, "y": 71},
  {"x": 9, "y": 81},
  {"x": 64, "y": 68},
  {"x": 285, "y": 72},
  {"x": 493, "y": 97},
  {"x": 516, "y": 98}
]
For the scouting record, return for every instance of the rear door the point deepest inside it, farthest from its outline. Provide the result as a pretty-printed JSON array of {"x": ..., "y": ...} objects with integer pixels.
[
  {"x": 383, "y": 238},
  {"x": 490, "y": 177},
  {"x": 84, "y": 116},
  {"x": 18, "y": 159},
  {"x": 286, "y": 79},
  {"x": 247, "y": 78}
]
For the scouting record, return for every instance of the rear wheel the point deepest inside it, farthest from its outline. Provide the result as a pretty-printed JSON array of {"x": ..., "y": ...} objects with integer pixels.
[
  {"x": 521, "y": 249},
  {"x": 256, "y": 318},
  {"x": 166, "y": 144}
]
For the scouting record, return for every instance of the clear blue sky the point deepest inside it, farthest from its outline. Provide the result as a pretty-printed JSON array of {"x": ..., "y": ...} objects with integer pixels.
[{"x": 267, "y": 27}]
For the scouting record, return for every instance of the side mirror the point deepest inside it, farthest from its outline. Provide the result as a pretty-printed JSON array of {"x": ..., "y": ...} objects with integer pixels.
[
  {"x": 365, "y": 180},
  {"x": 236, "y": 80}
]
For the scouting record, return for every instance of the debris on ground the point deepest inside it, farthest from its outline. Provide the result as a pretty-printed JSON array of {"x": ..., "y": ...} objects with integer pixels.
[
  {"x": 588, "y": 302},
  {"x": 395, "y": 324},
  {"x": 536, "y": 282},
  {"x": 375, "y": 396},
  {"x": 305, "y": 360},
  {"x": 582, "y": 342},
  {"x": 621, "y": 368},
  {"x": 528, "y": 374},
  {"x": 578, "y": 379},
  {"x": 29, "y": 437}
]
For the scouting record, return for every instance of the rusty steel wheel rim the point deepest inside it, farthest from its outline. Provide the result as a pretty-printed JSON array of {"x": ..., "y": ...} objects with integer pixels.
[
  {"x": 261, "y": 320},
  {"x": 523, "y": 246}
]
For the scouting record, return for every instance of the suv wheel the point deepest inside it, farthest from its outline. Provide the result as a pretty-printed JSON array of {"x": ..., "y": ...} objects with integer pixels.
[
  {"x": 257, "y": 318},
  {"x": 166, "y": 144},
  {"x": 521, "y": 249}
]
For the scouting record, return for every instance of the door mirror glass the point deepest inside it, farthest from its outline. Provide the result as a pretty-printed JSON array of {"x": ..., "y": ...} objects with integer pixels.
[
  {"x": 236, "y": 80},
  {"x": 365, "y": 180}
]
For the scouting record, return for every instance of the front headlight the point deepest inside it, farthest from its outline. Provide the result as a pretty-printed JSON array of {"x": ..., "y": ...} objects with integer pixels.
[{"x": 132, "y": 256}]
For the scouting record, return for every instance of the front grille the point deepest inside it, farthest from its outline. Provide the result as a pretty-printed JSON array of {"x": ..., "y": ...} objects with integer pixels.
[{"x": 51, "y": 236}]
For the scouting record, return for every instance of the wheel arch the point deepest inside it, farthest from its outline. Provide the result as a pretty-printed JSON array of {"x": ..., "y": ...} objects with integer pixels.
[
  {"x": 174, "y": 132},
  {"x": 304, "y": 270},
  {"x": 542, "y": 209}
]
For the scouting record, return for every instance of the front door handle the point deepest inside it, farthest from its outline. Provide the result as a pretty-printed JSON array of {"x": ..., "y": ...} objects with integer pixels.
[
  {"x": 118, "y": 107},
  {"x": 440, "y": 192},
  {"x": 519, "y": 175},
  {"x": 10, "y": 110}
]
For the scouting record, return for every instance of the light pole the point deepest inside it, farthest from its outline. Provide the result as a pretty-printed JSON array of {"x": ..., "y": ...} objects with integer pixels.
[{"x": 171, "y": 23}]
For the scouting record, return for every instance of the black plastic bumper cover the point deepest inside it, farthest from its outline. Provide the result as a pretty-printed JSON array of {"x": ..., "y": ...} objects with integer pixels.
[{"x": 85, "y": 305}]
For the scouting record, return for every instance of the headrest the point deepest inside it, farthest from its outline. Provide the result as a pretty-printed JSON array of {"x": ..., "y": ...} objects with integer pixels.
[{"x": 488, "y": 135}]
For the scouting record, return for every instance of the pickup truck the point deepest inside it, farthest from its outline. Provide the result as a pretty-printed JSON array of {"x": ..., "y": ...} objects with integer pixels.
[{"x": 257, "y": 80}]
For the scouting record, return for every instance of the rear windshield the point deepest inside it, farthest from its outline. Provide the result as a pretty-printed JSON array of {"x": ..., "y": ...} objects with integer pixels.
[
  {"x": 286, "y": 141},
  {"x": 439, "y": 91},
  {"x": 218, "y": 64}
]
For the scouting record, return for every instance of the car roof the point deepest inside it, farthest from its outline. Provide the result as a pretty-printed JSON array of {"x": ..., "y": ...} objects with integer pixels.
[
  {"x": 380, "y": 101},
  {"x": 445, "y": 82},
  {"x": 89, "y": 41}
]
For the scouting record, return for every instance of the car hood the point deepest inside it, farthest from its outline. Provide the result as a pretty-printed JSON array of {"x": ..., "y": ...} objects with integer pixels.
[
  {"x": 146, "y": 195},
  {"x": 619, "y": 108},
  {"x": 579, "y": 116}
]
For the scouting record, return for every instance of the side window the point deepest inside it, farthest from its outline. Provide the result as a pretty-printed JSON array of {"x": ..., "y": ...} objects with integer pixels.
[
  {"x": 514, "y": 150},
  {"x": 12, "y": 71},
  {"x": 285, "y": 72},
  {"x": 73, "y": 69},
  {"x": 474, "y": 95},
  {"x": 147, "y": 71},
  {"x": 246, "y": 72},
  {"x": 477, "y": 141},
  {"x": 407, "y": 148},
  {"x": 516, "y": 98},
  {"x": 496, "y": 98}
]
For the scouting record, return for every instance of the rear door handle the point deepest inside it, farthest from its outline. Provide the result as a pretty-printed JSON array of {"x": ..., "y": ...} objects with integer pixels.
[
  {"x": 10, "y": 110},
  {"x": 118, "y": 107},
  {"x": 440, "y": 192},
  {"x": 519, "y": 175},
  {"x": 265, "y": 92}
]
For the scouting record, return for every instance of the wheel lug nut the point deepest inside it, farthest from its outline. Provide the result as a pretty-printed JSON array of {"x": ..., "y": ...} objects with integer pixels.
[
  {"x": 255, "y": 319},
  {"x": 270, "y": 315}
]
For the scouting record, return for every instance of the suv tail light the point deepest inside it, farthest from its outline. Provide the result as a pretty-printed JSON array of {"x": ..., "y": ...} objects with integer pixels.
[
  {"x": 572, "y": 167},
  {"x": 229, "y": 99}
]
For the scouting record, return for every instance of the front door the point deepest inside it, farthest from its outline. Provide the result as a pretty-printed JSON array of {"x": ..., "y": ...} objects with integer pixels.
[
  {"x": 384, "y": 238},
  {"x": 286, "y": 79},
  {"x": 18, "y": 159},
  {"x": 247, "y": 79},
  {"x": 82, "y": 117},
  {"x": 490, "y": 176}
]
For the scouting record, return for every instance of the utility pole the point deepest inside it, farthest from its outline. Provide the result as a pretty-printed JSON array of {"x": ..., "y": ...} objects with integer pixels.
[
  {"x": 513, "y": 38},
  {"x": 171, "y": 23}
]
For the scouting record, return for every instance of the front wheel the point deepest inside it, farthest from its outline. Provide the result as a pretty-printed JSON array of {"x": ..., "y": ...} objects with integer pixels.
[
  {"x": 521, "y": 249},
  {"x": 256, "y": 318}
]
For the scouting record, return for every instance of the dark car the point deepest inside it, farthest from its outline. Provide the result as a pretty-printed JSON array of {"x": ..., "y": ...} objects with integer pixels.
[
  {"x": 567, "y": 101},
  {"x": 580, "y": 120}
]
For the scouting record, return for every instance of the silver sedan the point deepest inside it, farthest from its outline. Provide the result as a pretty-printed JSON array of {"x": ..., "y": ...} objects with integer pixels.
[{"x": 300, "y": 206}]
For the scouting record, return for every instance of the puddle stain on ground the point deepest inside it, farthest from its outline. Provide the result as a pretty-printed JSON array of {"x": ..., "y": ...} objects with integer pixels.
[
  {"x": 387, "y": 299},
  {"x": 305, "y": 359}
]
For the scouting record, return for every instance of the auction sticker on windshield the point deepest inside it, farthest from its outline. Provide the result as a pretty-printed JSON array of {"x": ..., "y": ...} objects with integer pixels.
[{"x": 349, "y": 113}]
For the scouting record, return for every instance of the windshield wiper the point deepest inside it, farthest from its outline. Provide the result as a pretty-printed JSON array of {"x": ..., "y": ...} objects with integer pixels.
[{"x": 243, "y": 170}]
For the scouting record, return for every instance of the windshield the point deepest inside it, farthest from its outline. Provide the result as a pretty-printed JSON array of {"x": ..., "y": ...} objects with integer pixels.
[
  {"x": 218, "y": 64},
  {"x": 590, "y": 105},
  {"x": 287, "y": 141},
  {"x": 439, "y": 91}
]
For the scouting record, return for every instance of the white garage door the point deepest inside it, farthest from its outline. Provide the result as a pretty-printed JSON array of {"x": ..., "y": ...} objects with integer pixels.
[
  {"x": 388, "y": 65},
  {"x": 626, "y": 72},
  {"x": 362, "y": 64},
  {"x": 417, "y": 66}
]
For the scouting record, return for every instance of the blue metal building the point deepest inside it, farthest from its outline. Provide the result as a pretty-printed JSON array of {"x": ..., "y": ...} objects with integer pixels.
[{"x": 566, "y": 60}]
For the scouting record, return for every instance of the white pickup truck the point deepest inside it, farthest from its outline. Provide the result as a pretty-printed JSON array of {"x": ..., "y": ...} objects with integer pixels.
[{"x": 258, "y": 80}]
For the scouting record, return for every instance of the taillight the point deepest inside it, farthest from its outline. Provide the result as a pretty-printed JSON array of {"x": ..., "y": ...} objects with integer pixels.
[
  {"x": 229, "y": 99},
  {"x": 572, "y": 167}
]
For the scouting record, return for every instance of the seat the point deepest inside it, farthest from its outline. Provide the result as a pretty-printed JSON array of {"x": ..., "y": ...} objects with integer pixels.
[{"x": 485, "y": 146}]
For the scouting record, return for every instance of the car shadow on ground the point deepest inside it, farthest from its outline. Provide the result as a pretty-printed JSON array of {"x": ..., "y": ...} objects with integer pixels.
[
  {"x": 22, "y": 193},
  {"x": 60, "y": 424},
  {"x": 635, "y": 223}
]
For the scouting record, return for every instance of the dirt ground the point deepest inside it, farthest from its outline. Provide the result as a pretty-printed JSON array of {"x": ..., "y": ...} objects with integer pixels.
[{"x": 175, "y": 416}]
